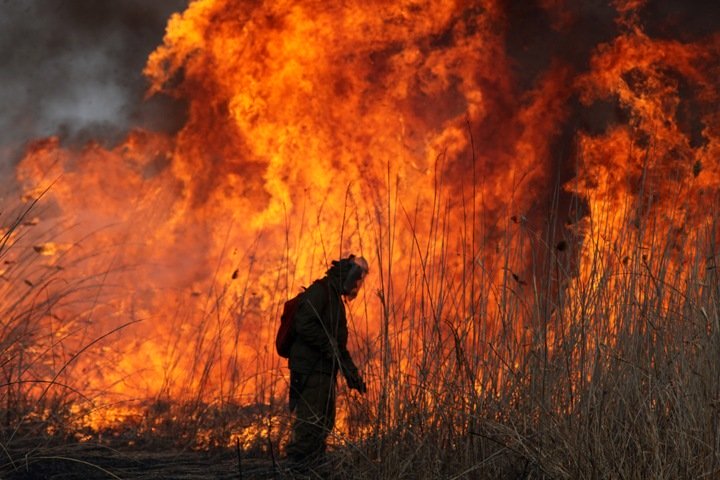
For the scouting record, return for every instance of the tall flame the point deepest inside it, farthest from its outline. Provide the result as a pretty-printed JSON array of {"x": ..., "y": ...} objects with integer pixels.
[{"x": 392, "y": 129}]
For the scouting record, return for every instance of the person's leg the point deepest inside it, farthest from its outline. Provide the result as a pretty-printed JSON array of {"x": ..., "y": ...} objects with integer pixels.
[{"x": 314, "y": 418}]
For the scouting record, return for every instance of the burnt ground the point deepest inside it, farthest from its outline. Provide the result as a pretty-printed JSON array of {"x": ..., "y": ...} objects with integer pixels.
[{"x": 95, "y": 462}]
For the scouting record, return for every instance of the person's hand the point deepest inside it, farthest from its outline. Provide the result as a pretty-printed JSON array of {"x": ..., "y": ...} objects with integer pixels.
[{"x": 356, "y": 382}]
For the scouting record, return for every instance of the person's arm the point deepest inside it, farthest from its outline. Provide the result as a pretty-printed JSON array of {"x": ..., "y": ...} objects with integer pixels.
[
  {"x": 309, "y": 325},
  {"x": 349, "y": 370},
  {"x": 346, "y": 362}
]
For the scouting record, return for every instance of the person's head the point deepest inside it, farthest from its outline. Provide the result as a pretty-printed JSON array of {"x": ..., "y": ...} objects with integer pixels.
[
  {"x": 352, "y": 273},
  {"x": 355, "y": 277}
]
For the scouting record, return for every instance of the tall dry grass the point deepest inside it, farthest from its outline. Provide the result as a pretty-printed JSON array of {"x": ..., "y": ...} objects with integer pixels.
[
  {"x": 605, "y": 367},
  {"x": 533, "y": 361},
  {"x": 46, "y": 312}
]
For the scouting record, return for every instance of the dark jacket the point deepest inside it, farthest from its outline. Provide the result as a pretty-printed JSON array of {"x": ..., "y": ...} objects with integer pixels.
[{"x": 321, "y": 331}]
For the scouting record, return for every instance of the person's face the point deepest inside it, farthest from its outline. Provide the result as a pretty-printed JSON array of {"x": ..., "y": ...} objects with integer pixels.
[
  {"x": 355, "y": 277},
  {"x": 356, "y": 288}
]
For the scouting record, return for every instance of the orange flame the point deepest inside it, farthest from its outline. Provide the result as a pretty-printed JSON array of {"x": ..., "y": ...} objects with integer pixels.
[{"x": 391, "y": 129}]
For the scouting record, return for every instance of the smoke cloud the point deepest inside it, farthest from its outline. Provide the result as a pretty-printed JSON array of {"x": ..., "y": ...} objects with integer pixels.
[{"x": 74, "y": 69}]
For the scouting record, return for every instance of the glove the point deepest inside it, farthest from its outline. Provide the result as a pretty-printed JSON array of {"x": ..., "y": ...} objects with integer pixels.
[{"x": 356, "y": 382}]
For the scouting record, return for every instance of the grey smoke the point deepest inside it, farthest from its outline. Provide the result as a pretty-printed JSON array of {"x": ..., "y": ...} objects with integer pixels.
[{"x": 74, "y": 69}]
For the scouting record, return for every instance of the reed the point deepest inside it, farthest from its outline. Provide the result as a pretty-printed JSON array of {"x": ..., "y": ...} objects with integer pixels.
[{"x": 539, "y": 360}]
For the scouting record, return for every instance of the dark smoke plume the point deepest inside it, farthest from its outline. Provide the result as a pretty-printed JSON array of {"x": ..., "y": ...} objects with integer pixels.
[{"x": 74, "y": 69}]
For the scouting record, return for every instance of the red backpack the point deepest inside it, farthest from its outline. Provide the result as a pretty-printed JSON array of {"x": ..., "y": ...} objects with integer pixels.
[{"x": 286, "y": 332}]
